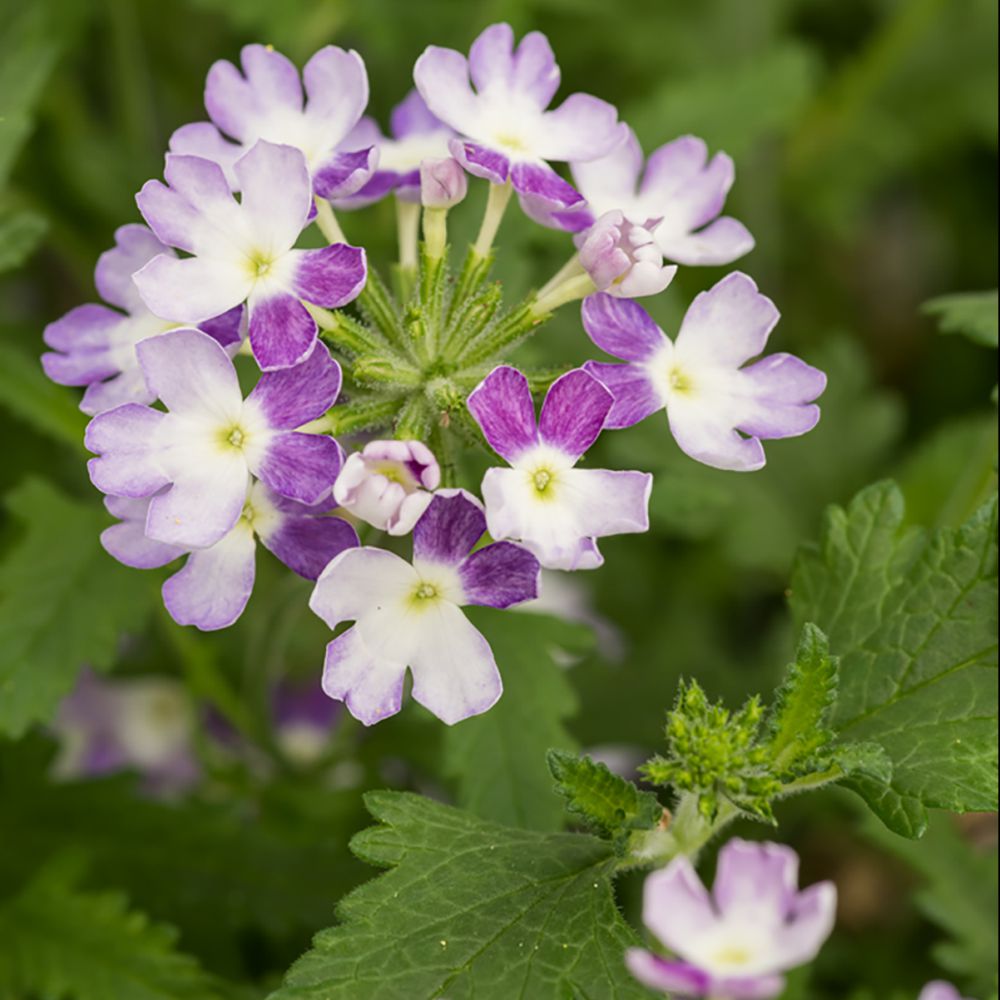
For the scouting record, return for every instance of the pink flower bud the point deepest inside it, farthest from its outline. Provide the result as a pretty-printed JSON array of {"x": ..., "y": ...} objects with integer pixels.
[
  {"x": 623, "y": 259},
  {"x": 443, "y": 183}
]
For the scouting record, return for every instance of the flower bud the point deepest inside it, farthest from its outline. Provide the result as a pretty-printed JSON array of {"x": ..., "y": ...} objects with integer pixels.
[
  {"x": 443, "y": 183},
  {"x": 622, "y": 258},
  {"x": 387, "y": 484}
]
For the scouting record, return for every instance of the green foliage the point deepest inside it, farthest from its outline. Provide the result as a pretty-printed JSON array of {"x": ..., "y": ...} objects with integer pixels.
[
  {"x": 20, "y": 233},
  {"x": 498, "y": 759},
  {"x": 470, "y": 908},
  {"x": 973, "y": 314},
  {"x": 913, "y": 619},
  {"x": 59, "y": 941},
  {"x": 64, "y": 602},
  {"x": 607, "y": 803}
]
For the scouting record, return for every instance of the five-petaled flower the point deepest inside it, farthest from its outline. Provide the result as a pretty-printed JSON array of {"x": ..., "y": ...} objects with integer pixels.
[
  {"x": 736, "y": 941},
  {"x": 554, "y": 509},
  {"x": 410, "y": 615},
  {"x": 718, "y": 410},
  {"x": 506, "y": 133},
  {"x": 243, "y": 251},
  {"x": 265, "y": 101},
  {"x": 94, "y": 346},
  {"x": 195, "y": 460}
]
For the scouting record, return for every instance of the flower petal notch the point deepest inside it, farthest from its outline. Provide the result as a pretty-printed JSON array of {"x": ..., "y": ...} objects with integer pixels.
[
  {"x": 737, "y": 941},
  {"x": 266, "y": 101},
  {"x": 388, "y": 484},
  {"x": 244, "y": 251},
  {"x": 719, "y": 408},
  {"x": 195, "y": 460},
  {"x": 497, "y": 101},
  {"x": 680, "y": 186},
  {"x": 408, "y": 615},
  {"x": 542, "y": 500},
  {"x": 94, "y": 345}
]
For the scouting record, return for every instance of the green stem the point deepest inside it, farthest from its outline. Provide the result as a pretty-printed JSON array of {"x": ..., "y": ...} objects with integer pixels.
[
  {"x": 570, "y": 269},
  {"x": 510, "y": 331},
  {"x": 687, "y": 834},
  {"x": 496, "y": 205},
  {"x": 435, "y": 232},
  {"x": 408, "y": 232},
  {"x": 571, "y": 290},
  {"x": 327, "y": 222},
  {"x": 377, "y": 305}
]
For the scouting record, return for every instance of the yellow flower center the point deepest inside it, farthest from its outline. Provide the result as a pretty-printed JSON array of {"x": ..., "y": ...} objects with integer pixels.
[
  {"x": 679, "y": 381},
  {"x": 733, "y": 955}
]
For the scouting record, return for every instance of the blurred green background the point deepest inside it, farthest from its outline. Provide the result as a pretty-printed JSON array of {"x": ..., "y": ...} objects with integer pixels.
[{"x": 865, "y": 139}]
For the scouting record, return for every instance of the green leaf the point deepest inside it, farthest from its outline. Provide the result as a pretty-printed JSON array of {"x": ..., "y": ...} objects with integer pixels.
[
  {"x": 64, "y": 602},
  {"x": 958, "y": 895},
  {"x": 498, "y": 758},
  {"x": 607, "y": 803},
  {"x": 31, "y": 397},
  {"x": 798, "y": 721},
  {"x": 913, "y": 619},
  {"x": 20, "y": 232},
  {"x": 470, "y": 909},
  {"x": 973, "y": 314},
  {"x": 62, "y": 942}
]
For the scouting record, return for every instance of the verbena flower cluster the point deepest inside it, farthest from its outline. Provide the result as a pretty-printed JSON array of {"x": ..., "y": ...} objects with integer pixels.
[{"x": 362, "y": 419}]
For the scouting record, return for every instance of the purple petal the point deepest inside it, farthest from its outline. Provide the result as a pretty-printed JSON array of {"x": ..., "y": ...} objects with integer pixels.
[
  {"x": 301, "y": 467},
  {"x": 705, "y": 431},
  {"x": 721, "y": 242},
  {"x": 236, "y": 104},
  {"x": 83, "y": 328},
  {"x": 370, "y": 687},
  {"x": 336, "y": 83},
  {"x": 779, "y": 387},
  {"x": 293, "y": 396},
  {"x": 573, "y": 220},
  {"x": 79, "y": 367},
  {"x": 610, "y": 181},
  {"x": 276, "y": 194},
  {"x": 192, "y": 290},
  {"x": 135, "y": 246},
  {"x": 126, "y": 387},
  {"x": 127, "y": 542},
  {"x": 534, "y": 69},
  {"x": 676, "y": 907},
  {"x": 330, "y": 277},
  {"x": 621, "y": 327},
  {"x": 213, "y": 588},
  {"x": 282, "y": 333},
  {"x": 500, "y": 575},
  {"x": 191, "y": 374},
  {"x": 442, "y": 78},
  {"x": 757, "y": 878},
  {"x": 502, "y": 406},
  {"x": 345, "y": 173},
  {"x": 635, "y": 396},
  {"x": 412, "y": 117},
  {"x": 481, "y": 161},
  {"x": 226, "y": 329},
  {"x": 727, "y": 325},
  {"x": 939, "y": 990},
  {"x": 202, "y": 185},
  {"x": 603, "y": 502},
  {"x": 540, "y": 182},
  {"x": 205, "y": 140},
  {"x": 807, "y": 925},
  {"x": 381, "y": 183},
  {"x": 307, "y": 543},
  {"x": 454, "y": 673},
  {"x": 448, "y": 529},
  {"x": 671, "y": 166},
  {"x": 491, "y": 57},
  {"x": 574, "y": 412},
  {"x": 668, "y": 975},
  {"x": 127, "y": 466},
  {"x": 701, "y": 198},
  {"x": 581, "y": 128}
]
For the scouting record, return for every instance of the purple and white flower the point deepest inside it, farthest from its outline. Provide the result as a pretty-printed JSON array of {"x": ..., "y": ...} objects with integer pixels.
[
  {"x": 940, "y": 990},
  {"x": 556, "y": 510},
  {"x": 243, "y": 251},
  {"x": 622, "y": 257},
  {"x": 415, "y": 135},
  {"x": 736, "y": 941},
  {"x": 214, "y": 585},
  {"x": 680, "y": 186},
  {"x": 265, "y": 101},
  {"x": 144, "y": 724},
  {"x": 507, "y": 133},
  {"x": 388, "y": 484},
  {"x": 195, "y": 460},
  {"x": 94, "y": 346},
  {"x": 410, "y": 615},
  {"x": 304, "y": 719},
  {"x": 718, "y": 410}
]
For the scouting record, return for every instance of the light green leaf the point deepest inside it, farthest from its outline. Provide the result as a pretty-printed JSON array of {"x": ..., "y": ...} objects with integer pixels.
[
  {"x": 64, "y": 602},
  {"x": 913, "y": 619},
  {"x": 604, "y": 801},
  {"x": 27, "y": 394},
  {"x": 59, "y": 941},
  {"x": 20, "y": 233},
  {"x": 470, "y": 909},
  {"x": 973, "y": 314},
  {"x": 498, "y": 758}
]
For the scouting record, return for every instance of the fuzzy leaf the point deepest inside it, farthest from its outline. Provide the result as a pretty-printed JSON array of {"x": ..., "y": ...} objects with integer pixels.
[
  {"x": 470, "y": 909},
  {"x": 61, "y": 942},
  {"x": 913, "y": 619},
  {"x": 64, "y": 602},
  {"x": 973, "y": 314},
  {"x": 606, "y": 802},
  {"x": 498, "y": 758}
]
